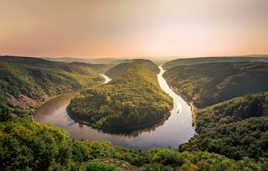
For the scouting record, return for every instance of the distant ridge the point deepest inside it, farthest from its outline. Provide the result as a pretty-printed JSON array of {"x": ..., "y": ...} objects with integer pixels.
[
  {"x": 90, "y": 60},
  {"x": 258, "y": 55}
]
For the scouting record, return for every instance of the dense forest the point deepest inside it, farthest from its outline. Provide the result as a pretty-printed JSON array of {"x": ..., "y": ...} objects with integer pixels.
[
  {"x": 28, "y": 145},
  {"x": 236, "y": 128},
  {"x": 232, "y": 106},
  {"x": 131, "y": 101},
  {"x": 124, "y": 66},
  {"x": 26, "y": 81},
  {"x": 232, "y": 130},
  {"x": 211, "y": 83}
]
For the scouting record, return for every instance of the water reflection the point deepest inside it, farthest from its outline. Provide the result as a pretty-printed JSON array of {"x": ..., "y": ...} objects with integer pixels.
[
  {"x": 136, "y": 133},
  {"x": 177, "y": 129}
]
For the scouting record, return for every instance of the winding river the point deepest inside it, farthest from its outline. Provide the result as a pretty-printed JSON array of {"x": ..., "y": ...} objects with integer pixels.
[{"x": 177, "y": 129}]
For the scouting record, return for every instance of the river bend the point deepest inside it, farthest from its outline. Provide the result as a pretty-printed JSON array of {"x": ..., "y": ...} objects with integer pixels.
[{"x": 177, "y": 129}]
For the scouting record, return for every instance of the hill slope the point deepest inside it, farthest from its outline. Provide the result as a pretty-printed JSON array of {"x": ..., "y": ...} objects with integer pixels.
[
  {"x": 230, "y": 122},
  {"x": 211, "y": 83},
  {"x": 123, "y": 67},
  {"x": 203, "y": 60},
  {"x": 236, "y": 128},
  {"x": 29, "y": 81}
]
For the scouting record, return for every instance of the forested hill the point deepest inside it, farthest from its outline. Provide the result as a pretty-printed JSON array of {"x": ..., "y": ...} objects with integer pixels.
[
  {"x": 236, "y": 128},
  {"x": 211, "y": 83},
  {"x": 131, "y": 101},
  {"x": 232, "y": 102},
  {"x": 26, "y": 81},
  {"x": 123, "y": 67},
  {"x": 203, "y": 60}
]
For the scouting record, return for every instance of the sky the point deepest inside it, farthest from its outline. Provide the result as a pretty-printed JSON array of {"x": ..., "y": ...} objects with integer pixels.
[{"x": 122, "y": 28}]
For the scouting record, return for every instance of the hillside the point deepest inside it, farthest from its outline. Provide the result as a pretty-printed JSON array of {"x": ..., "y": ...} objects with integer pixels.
[
  {"x": 211, "y": 83},
  {"x": 203, "y": 60},
  {"x": 123, "y": 67},
  {"x": 27, "y": 145},
  {"x": 236, "y": 128},
  {"x": 232, "y": 134},
  {"x": 27, "y": 82},
  {"x": 230, "y": 119},
  {"x": 107, "y": 61},
  {"x": 131, "y": 101}
]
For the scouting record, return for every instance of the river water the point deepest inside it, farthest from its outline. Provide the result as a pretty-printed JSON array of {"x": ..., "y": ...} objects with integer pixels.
[{"x": 177, "y": 129}]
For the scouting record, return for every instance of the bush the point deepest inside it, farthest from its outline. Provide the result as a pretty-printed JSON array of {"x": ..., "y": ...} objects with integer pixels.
[{"x": 95, "y": 166}]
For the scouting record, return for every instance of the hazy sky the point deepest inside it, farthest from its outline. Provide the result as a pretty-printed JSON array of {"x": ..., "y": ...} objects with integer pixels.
[{"x": 97, "y": 28}]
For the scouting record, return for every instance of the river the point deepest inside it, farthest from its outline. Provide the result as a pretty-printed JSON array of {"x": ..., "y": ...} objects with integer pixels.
[{"x": 177, "y": 129}]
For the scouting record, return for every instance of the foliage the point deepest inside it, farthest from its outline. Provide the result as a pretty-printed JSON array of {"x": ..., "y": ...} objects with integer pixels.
[
  {"x": 236, "y": 109},
  {"x": 236, "y": 128},
  {"x": 204, "y": 60},
  {"x": 208, "y": 84},
  {"x": 27, "y": 145},
  {"x": 157, "y": 167},
  {"x": 35, "y": 78},
  {"x": 94, "y": 166},
  {"x": 7, "y": 107},
  {"x": 231, "y": 122},
  {"x": 123, "y": 67},
  {"x": 131, "y": 101},
  {"x": 4, "y": 115}
]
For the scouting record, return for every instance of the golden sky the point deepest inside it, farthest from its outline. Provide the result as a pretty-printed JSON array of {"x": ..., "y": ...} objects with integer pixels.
[{"x": 102, "y": 28}]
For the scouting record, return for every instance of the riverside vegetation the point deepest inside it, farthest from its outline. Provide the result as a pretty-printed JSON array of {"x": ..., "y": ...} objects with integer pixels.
[
  {"x": 236, "y": 128},
  {"x": 131, "y": 101},
  {"x": 29, "y": 81},
  {"x": 232, "y": 101},
  {"x": 211, "y": 83},
  {"x": 29, "y": 145}
]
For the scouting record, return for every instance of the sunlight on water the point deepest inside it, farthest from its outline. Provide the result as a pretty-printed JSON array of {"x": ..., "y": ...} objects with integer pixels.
[{"x": 107, "y": 79}]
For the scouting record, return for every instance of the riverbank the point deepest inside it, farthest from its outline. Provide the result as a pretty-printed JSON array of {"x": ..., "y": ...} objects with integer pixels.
[
  {"x": 50, "y": 98},
  {"x": 187, "y": 100},
  {"x": 194, "y": 111},
  {"x": 28, "y": 105}
]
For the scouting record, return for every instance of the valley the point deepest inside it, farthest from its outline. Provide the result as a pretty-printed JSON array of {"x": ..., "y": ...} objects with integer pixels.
[
  {"x": 159, "y": 135},
  {"x": 134, "y": 113},
  {"x": 134, "y": 85}
]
